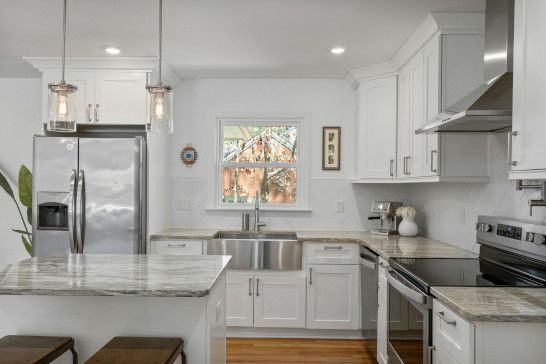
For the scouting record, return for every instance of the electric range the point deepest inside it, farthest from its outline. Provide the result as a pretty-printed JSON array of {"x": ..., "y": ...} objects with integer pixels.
[{"x": 512, "y": 254}]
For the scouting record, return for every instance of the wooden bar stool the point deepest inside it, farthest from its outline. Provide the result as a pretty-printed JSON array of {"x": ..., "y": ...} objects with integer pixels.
[
  {"x": 16, "y": 349},
  {"x": 140, "y": 350}
]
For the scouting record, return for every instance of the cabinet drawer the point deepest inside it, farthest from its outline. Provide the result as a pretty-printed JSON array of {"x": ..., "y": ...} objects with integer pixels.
[
  {"x": 453, "y": 333},
  {"x": 177, "y": 247},
  {"x": 332, "y": 253}
]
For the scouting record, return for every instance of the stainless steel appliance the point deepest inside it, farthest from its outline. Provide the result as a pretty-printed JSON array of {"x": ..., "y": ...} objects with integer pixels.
[
  {"x": 251, "y": 250},
  {"x": 489, "y": 107},
  {"x": 512, "y": 253},
  {"x": 368, "y": 289},
  {"x": 385, "y": 212},
  {"x": 89, "y": 194}
]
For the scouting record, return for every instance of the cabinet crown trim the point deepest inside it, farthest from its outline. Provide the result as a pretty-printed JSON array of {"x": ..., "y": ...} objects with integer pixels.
[
  {"x": 435, "y": 23},
  {"x": 143, "y": 64}
]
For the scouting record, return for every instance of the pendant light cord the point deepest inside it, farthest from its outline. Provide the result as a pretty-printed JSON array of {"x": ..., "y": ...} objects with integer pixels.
[
  {"x": 64, "y": 40},
  {"x": 160, "y": 36}
]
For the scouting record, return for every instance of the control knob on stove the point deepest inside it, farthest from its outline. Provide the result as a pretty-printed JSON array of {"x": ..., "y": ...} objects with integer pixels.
[
  {"x": 539, "y": 239},
  {"x": 483, "y": 227}
]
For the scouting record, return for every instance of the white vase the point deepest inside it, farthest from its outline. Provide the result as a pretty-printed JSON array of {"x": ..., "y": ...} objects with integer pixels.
[{"x": 407, "y": 226}]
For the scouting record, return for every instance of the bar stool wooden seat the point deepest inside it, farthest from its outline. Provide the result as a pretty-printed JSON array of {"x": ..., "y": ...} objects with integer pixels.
[
  {"x": 140, "y": 350},
  {"x": 16, "y": 349}
]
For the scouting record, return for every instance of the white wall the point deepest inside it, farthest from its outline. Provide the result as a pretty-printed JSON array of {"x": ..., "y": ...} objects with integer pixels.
[
  {"x": 328, "y": 102},
  {"x": 20, "y": 113},
  {"x": 449, "y": 211}
]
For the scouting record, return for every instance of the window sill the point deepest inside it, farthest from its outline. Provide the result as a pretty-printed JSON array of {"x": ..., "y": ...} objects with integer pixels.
[{"x": 269, "y": 209}]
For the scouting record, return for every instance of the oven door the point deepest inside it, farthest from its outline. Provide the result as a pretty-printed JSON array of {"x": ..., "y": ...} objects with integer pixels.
[{"x": 410, "y": 322}]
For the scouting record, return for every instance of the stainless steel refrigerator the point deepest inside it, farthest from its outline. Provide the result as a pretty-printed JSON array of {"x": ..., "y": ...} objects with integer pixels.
[{"x": 89, "y": 195}]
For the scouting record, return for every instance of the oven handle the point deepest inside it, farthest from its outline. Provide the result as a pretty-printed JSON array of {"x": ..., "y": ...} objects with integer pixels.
[{"x": 406, "y": 291}]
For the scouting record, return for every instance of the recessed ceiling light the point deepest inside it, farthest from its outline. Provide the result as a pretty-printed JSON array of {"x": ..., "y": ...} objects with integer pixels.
[
  {"x": 337, "y": 50},
  {"x": 112, "y": 50}
]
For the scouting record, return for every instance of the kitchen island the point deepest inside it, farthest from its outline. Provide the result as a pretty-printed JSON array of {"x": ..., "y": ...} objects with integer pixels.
[{"x": 93, "y": 298}]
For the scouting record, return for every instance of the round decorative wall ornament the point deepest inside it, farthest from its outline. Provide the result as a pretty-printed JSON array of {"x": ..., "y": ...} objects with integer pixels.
[{"x": 188, "y": 155}]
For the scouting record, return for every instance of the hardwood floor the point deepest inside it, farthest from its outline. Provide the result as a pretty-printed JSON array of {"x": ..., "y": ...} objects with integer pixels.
[{"x": 307, "y": 351}]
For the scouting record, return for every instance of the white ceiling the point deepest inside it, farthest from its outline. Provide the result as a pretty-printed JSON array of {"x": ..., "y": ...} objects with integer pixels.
[{"x": 220, "y": 38}]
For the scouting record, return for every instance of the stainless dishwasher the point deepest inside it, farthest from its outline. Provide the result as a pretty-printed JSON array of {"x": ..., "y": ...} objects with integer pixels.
[{"x": 368, "y": 297}]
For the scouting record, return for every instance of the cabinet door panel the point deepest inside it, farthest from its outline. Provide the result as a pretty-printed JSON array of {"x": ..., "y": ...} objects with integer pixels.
[
  {"x": 377, "y": 123},
  {"x": 441, "y": 356},
  {"x": 121, "y": 97},
  {"x": 431, "y": 73},
  {"x": 529, "y": 148},
  {"x": 404, "y": 127},
  {"x": 333, "y": 297},
  {"x": 85, "y": 95},
  {"x": 239, "y": 300},
  {"x": 417, "y": 115},
  {"x": 279, "y": 301}
]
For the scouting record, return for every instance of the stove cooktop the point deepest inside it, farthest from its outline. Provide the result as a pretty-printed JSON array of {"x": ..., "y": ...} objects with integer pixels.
[{"x": 427, "y": 272}]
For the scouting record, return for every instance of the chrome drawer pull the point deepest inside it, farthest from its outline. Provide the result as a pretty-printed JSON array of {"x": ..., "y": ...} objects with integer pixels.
[
  {"x": 177, "y": 245},
  {"x": 333, "y": 247},
  {"x": 250, "y": 286},
  {"x": 441, "y": 315},
  {"x": 310, "y": 275}
]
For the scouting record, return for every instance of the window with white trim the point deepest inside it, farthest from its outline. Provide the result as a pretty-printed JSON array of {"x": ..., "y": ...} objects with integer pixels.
[{"x": 263, "y": 156}]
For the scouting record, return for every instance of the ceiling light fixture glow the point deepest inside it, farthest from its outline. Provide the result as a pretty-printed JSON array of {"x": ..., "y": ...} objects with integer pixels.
[
  {"x": 112, "y": 50},
  {"x": 337, "y": 50}
]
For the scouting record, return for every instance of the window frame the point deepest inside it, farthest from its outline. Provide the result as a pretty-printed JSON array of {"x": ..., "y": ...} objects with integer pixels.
[{"x": 302, "y": 176}]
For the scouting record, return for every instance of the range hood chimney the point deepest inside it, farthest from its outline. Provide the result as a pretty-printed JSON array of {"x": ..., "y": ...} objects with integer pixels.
[{"x": 489, "y": 107}]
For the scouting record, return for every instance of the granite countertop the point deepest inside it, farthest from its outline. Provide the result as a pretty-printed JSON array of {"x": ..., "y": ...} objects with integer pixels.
[
  {"x": 506, "y": 304},
  {"x": 393, "y": 246},
  {"x": 113, "y": 275}
]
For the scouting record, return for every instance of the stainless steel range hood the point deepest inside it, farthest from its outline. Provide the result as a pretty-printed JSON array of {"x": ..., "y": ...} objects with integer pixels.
[{"x": 489, "y": 107}]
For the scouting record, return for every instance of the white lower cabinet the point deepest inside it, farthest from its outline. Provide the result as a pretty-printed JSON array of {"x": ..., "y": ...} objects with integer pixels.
[
  {"x": 177, "y": 247},
  {"x": 453, "y": 336},
  {"x": 268, "y": 299},
  {"x": 279, "y": 301},
  {"x": 333, "y": 297},
  {"x": 239, "y": 299}
]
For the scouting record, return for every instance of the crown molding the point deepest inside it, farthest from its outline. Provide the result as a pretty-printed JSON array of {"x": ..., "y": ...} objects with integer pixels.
[
  {"x": 134, "y": 64},
  {"x": 434, "y": 24}
]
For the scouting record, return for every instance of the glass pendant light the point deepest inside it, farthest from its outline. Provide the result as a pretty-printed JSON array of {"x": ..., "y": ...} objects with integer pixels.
[
  {"x": 160, "y": 118},
  {"x": 62, "y": 97}
]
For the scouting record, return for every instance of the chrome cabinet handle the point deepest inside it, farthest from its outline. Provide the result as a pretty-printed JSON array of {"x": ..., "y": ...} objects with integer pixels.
[
  {"x": 310, "y": 275},
  {"x": 257, "y": 287},
  {"x": 71, "y": 210},
  {"x": 333, "y": 247},
  {"x": 509, "y": 154},
  {"x": 183, "y": 245},
  {"x": 250, "y": 286},
  {"x": 404, "y": 165},
  {"x": 96, "y": 113},
  {"x": 88, "y": 112},
  {"x": 441, "y": 315},
  {"x": 391, "y": 164},
  {"x": 432, "y": 169},
  {"x": 407, "y": 165}
]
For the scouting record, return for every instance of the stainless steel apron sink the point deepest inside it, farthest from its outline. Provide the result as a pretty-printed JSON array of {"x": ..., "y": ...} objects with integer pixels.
[{"x": 256, "y": 250}]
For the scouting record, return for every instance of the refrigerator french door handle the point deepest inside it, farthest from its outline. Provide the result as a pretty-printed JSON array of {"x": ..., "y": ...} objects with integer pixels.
[
  {"x": 71, "y": 211},
  {"x": 80, "y": 206}
]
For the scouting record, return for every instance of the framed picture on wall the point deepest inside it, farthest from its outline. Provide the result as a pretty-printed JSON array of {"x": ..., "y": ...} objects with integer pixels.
[{"x": 331, "y": 148}]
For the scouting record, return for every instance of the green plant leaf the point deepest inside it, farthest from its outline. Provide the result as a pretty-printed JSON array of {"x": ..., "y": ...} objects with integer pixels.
[
  {"x": 21, "y": 232},
  {"x": 25, "y": 186},
  {"x": 27, "y": 245},
  {"x": 29, "y": 215},
  {"x": 5, "y": 185}
]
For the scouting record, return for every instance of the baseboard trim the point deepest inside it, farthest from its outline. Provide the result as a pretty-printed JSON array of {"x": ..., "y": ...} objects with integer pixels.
[{"x": 254, "y": 332}]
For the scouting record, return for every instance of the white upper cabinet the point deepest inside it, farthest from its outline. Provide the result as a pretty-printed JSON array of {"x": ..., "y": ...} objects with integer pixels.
[
  {"x": 431, "y": 82},
  {"x": 404, "y": 122},
  {"x": 417, "y": 115},
  {"x": 105, "y": 97},
  {"x": 377, "y": 131},
  {"x": 83, "y": 80},
  {"x": 529, "y": 109},
  {"x": 120, "y": 97}
]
